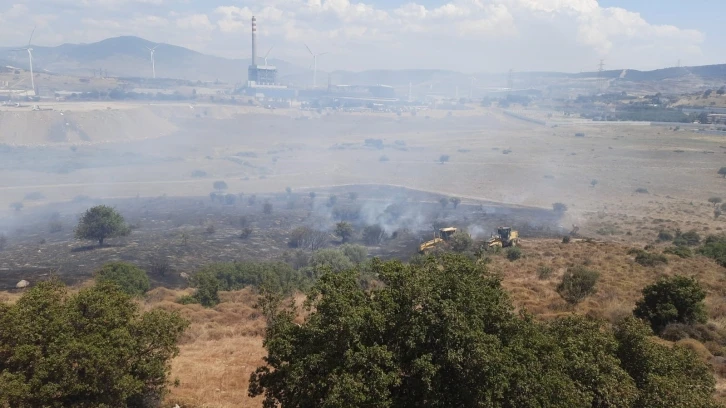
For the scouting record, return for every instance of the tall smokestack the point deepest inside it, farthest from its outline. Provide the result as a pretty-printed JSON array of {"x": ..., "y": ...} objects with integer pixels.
[{"x": 254, "y": 41}]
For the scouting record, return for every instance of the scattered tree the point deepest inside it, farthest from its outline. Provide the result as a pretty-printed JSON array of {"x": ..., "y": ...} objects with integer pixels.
[
  {"x": 160, "y": 266},
  {"x": 246, "y": 233},
  {"x": 675, "y": 299},
  {"x": 3, "y": 241},
  {"x": 267, "y": 208},
  {"x": 444, "y": 202},
  {"x": 101, "y": 222},
  {"x": 230, "y": 199},
  {"x": 455, "y": 201},
  {"x": 219, "y": 185},
  {"x": 55, "y": 227},
  {"x": 722, "y": 171},
  {"x": 641, "y": 190},
  {"x": 353, "y": 195},
  {"x": 252, "y": 200},
  {"x": 577, "y": 284},
  {"x": 689, "y": 238},
  {"x": 94, "y": 348},
  {"x": 444, "y": 158},
  {"x": 715, "y": 201},
  {"x": 559, "y": 207},
  {"x": 593, "y": 183},
  {"x": 312, "y": 195},
  {"x": 130, "y": 279},
  {"x": 332, "y": 200},
  {"x": 356, "y": 253},
  {"x": 514, "y": 253},
  {"x": 344, "y": 230},
  {"x": 17, "y": 206},
  {"x": 715, "y": 248},
  {"x": 288, "y": 190},
  {"x": 665, "y": 236}
]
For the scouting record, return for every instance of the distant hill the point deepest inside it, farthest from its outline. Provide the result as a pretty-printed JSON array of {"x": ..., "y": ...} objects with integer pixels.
[{"x": 128, "y": 57}]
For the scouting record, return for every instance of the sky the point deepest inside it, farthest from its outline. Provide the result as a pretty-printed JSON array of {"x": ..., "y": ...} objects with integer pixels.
[{"x": 464, "y": 35}]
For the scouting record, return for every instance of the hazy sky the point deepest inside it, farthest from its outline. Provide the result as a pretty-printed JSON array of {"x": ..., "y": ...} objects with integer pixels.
[{"x": 465, "y": 35}]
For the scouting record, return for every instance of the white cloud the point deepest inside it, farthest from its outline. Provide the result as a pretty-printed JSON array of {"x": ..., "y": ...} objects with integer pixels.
[{"x": 469, "y": 35}]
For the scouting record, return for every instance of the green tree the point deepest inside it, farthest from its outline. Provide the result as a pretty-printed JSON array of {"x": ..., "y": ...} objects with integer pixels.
[
  {"x": 675, "y": 299},
  {"x": 267, "y": 208},
  {"x": 455, "y": 201},
  {"x": 356, "y": 253},
  {"x": 344, "y": 230},
  {"x": 131, "y": 279},
  {"x": 577, "y": 283},
  {"x": 444, "y": 202},
  {"x": 207, "y": 285},
  {"x": 559, "y": 207},
  {"x": 715, "y": 248},
  {"x": 722, "y": 171},
  {"x": 373, "y": 234},
  {"x": 442, "y": 333},
  {"x": 666, "y": 377},
  {"x": 94, "y": 348},
  {"x": 101, "y": 222},
  {"x": 330, "y": 259},
  {"x": 444, "y": 158}
]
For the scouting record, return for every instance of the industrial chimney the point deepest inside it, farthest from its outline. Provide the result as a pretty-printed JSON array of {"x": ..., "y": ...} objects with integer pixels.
[{"x": 254, "y": 42}]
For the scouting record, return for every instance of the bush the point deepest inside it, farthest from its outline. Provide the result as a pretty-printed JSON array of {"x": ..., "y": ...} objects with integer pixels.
[
  {"x": 665, "y": 236},
  {"x": 252, "y": 199},
  {"x": 461, "y": 242},
  {"x": 690, "y": 238},
  {"x": 566, "y": 239},
  {"x": 715, "y": 248},
  {"x": 210, "y": 230},
  {"x": 332, "y": 200},
  {"x": 230, "y": 199},
  {"x": 267, "y": 208},
  {"x": 444, "y": 202},
  {"x": 722, "y": 171},
  {"x": 680, "y": 251},
  {"x": 641, "y": 190},
  {"x": 373, "y": 234},
  {"x": 207, "y": 285},
  {"x": 715, "y": 200},
  {"x": 329, "y": 259},
  {"x": 55, "y": 227},
  {"x": 675, "y": 299},
  {"x": 344, "y": 230},
  {"x": 278, "y": 277},
  {"x": 199, "y": 173},
  {"x": 101, "y": 222},
  {"x": 160, "y": 266},
  {"x": 544, "y": 272},
  {"x": 219, "y": 185},
  {"x": 559, "y": 207},
  {"x": 94, "y": 348},
  {"x": 187, "y": 300},
  {"x": 246, "y": 233},
  {"x": 353, "y": 195},
  {"x": 577, "y": 284},
  {"x": 356, "y": 253},
  {"x": 130, "y": 279},
  {"x": 649, "y": 259},
  {"x": 514, "y": 253},
  {"x": 444, "y": 158}
]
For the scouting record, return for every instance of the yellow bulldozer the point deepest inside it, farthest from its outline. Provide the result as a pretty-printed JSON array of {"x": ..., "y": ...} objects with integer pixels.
[
  {"x": 505, "y": 237},
  {"x": 443, "y": 236}
]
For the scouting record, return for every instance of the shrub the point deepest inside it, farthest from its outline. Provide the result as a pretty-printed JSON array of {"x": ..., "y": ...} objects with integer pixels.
[
  {"x": 130, "y": 279},
  {"x": 665, "y": 236},
  {"x": 312, "y": 195},
  {"x": 444, "y": 158},
  {"x": 94, "y": 348},
  {"x": 219, "y": 185},
  {"x": 559, "y": 207},
  {"x": 246, "y": 233},
  {"x": 715, "y": 200},
  {"x": 514, "y": 253},
  {"x": 649, "y": 259},
  {"x": 356, "y": 253},
  {"x": 689, "y": 238},
  {"x": 373, "y": 234},
  {"x": 722, "y": 171},
  {"x": 207, "y": 293},
  {"x": 230, "y": 199},
  {"x": 353, "y": 195},
  {"x": 35, "y": 195},
  {"x": 210, "y": 230},
  {"x": 566, "y": 239},
  {"x": 267, "y": 208},
  {"x": 444, "y": 202},
  {"x": 101, "y": 222},
  {"x": 160, "y": 266},
  {"x": 577, "y": 284},
  {"x": 278, "y": 277},
  {"x": 332, "y": 200},
  {"x": 199, "y": 173},
  {"x": 55, "y": 227},
  {"x": 186, "y": 300},
  {"x": 715, "y": 248},
  {"x": 641, "y": 190},
  {"x": 675, "y": 299},
  {"x": 680, "y": 251},
  {"x": 298, "y": 237},
  {"x": 461, "y": 242},
  {"x": 344, "y": 230},
  {"x": 329, "y": 259},
  {"x": 252, "y": 200},
  {"x": 544, "y": 272}
]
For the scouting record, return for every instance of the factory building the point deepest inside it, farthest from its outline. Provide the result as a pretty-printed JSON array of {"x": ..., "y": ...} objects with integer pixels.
[{"x": 259, "y": 74}]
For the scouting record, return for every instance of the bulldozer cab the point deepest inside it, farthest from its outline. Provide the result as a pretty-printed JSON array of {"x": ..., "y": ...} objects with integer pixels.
[
  {"x": 504, "y": 233},
  {"x": 446, "y": 233}
]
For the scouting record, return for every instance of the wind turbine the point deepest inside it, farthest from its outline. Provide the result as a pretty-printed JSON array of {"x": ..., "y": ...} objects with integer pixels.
[
  {"x": 153, "y": 64},
  {"x": 268, "y": 53},
  {"x": 315, "y": 65},
  {"x": 30, "y": 59}
]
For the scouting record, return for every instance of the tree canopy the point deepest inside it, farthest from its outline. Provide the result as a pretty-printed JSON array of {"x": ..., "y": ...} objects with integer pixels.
[
  {"x": 443, "y": 333},
  {"x": 676, "y": 299},
  {"x": 90, "y": 349},
  {"x": 131, "y": 279},
  {"x": 101, "y": 222}
]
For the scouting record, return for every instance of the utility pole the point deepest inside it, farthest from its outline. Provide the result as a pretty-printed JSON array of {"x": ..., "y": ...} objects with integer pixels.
[
  {"x": 600, "y": 77},
  {"x": 510, "y": 82}
]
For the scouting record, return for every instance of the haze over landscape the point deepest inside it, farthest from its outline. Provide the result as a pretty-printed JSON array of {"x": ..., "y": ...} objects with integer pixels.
[{"x": 498, "y": 203}]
